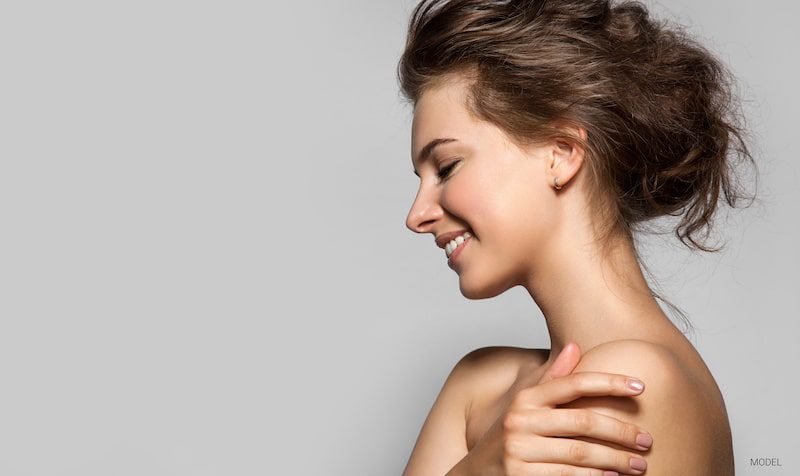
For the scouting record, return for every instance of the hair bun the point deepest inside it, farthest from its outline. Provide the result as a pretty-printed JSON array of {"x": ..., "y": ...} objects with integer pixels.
[
  {"x": 678, "y": 100},
  {"x": 658, "y": 108}
]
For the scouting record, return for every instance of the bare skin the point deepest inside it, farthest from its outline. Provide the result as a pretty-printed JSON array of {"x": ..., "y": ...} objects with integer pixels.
[
  {"x": 517, "y": 366},
  {"x": 527, "y": 232}
]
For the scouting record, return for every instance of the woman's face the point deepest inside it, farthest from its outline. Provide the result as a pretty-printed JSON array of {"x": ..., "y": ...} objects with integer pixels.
[{"x": 500, "y": 193}]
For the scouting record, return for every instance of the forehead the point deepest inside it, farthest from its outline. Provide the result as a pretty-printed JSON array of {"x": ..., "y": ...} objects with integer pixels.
[{"x": 441, "y": 113}]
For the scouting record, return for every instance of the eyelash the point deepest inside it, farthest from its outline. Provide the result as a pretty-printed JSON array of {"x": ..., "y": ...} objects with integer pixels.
[{"x": 445, "y": 172}]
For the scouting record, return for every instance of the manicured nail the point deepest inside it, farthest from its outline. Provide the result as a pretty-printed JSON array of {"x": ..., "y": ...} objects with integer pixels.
[
  {"x": 644, "y": 440},
  {"x": 635, "y": 384},
  {"x": 638, "y": 464}
]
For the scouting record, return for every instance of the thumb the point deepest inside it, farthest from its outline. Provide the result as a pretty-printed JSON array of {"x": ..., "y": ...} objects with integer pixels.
[{"x": 564, "y": 364}]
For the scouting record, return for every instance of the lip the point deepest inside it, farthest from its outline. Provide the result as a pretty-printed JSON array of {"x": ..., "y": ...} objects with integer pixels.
[
  {"x": 455, "y": 254},
  {"x": 444, "y": 238}
]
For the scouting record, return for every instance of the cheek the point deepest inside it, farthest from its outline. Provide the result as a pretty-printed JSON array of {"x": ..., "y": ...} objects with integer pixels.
[
  {"x": 512, "y": 214},
  {"x": 504, "y": 207},
  {"x": 532, "y": 217},
  {"x": 472, "y": 198}
]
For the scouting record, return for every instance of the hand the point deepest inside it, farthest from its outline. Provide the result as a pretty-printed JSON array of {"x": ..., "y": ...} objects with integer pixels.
[{"x": 531, "y": 437}]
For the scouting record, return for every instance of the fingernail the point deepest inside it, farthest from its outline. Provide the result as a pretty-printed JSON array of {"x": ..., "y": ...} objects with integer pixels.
[
  {"x": 644, "y": 440},
  {"x": 635, "y": 384},
  {"x": 638, "y": 464},
  {"x": 610, "y": 473}
]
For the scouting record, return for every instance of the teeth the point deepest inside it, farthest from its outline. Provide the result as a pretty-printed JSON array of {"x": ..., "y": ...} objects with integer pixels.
[{"x": 453, "y": 244}]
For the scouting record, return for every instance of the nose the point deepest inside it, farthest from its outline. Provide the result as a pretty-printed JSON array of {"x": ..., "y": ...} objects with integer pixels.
[{"x": 425, "y": 211}]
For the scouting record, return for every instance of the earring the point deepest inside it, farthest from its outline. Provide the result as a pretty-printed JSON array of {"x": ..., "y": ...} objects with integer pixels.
[{"x": 555, "y": 183}]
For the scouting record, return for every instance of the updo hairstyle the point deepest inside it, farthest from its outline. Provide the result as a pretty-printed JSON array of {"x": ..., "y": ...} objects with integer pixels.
[{"x": 661, "y": 118}]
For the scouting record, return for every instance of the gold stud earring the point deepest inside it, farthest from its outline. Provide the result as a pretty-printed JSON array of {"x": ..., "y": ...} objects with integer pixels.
[{"x": 555, "y": 183}]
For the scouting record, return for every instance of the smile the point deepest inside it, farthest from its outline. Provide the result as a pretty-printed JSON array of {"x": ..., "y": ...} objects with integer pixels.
[{"x": 455, "y": 246}]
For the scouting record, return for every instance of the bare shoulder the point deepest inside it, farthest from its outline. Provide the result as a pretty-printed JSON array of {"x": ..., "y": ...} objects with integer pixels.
[
  {"x": 493, "y": 358},
  {"x": 690, "y": 435},
  {"x": 492, "y": 374},
  {"x": 492, "y": 370},
  {"x": 442, "y": 441}
]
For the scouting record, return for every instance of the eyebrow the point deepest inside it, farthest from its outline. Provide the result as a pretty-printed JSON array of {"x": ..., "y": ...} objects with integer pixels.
[{"x": 428, "y": 149}]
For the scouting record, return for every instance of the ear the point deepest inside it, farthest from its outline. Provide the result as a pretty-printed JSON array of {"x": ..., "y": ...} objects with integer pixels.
[{"x": 566, "y": 157}]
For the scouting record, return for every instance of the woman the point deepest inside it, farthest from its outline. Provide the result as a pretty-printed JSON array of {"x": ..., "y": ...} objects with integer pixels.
[{"x": 545, "y": 133}]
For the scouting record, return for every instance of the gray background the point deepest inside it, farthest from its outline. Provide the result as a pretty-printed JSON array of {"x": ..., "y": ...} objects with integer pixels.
[{"x": 204, "y": 265}]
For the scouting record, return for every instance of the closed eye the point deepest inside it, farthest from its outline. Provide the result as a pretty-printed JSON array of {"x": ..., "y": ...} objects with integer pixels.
[{"x": 445, "y": 172}]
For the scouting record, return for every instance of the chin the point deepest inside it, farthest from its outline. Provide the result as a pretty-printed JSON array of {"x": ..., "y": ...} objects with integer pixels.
[{"x": 472, "y": 289}]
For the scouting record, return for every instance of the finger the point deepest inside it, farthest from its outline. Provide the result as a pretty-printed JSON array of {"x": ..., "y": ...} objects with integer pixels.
[
  {"x": 552, "y": 469},
  {"x": 574, "y": 452},
  {"x": 564, "y": 364},
  {"x": 573, "y": 386},
  {"x": 567, "y": 422}
]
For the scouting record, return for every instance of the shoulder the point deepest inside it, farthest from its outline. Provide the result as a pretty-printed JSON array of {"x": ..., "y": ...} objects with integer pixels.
[
  {"x": 672, "y": 407},
  {"x": 642, "y": 359},
  {"x": 499, "y": 363},
  {"x": 665, "y": 382},
  {"x": 488, "y": 372},
  {"x": 442, "y": 440},
  {"x": 482, "y": 367},
  {"x": 488, "y": 358}
]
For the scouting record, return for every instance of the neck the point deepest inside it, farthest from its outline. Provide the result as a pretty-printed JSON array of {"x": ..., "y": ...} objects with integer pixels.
[{"x": 591, "y": 299}]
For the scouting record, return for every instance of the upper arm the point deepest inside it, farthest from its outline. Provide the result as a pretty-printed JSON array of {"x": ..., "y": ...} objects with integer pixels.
[
  {"x": 667, "y": 407},
  {"x": 442, "y": 441}
]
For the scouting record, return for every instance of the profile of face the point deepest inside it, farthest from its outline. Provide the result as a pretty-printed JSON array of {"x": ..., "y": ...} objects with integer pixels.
[{"x": 501, "y": 193}]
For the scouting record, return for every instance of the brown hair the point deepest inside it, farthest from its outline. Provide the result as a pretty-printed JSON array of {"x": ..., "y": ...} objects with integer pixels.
[{"x": 662, "y": 122}]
